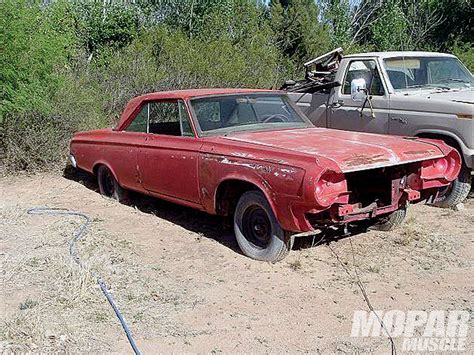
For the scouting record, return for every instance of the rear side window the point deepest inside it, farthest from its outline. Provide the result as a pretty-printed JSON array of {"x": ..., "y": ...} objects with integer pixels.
[
  {"x": 364, "y": 69},
  {"x": 163, "y": 117},
  {"x": 140, "y": 123}
]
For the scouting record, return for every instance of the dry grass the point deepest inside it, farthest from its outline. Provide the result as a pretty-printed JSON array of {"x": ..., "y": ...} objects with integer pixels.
[
  {"x": 182, "y": 290},
  {"x": 58, "y": 306},
  {"x": 295, "y": 264}
]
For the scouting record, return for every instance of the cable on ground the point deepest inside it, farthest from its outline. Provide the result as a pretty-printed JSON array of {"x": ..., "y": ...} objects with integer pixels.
[
  {"x": 358, "y": 282},
  {"x": 78, "y": 233}
]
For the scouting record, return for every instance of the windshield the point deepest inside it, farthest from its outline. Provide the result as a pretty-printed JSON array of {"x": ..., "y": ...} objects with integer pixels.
[
  {"x": 427, "y": 72},
  {"x": 246, "y": 112}
]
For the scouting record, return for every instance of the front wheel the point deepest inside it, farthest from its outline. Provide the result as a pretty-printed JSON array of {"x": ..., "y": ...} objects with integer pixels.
[
  {"x": 390, "y": 221},
  {"x": 257, "y": 230},
  {"x": 457, "y": 191}
]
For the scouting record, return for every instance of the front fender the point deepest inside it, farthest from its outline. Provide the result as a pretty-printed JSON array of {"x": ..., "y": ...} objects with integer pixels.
[{"x": 280, "y": 184}]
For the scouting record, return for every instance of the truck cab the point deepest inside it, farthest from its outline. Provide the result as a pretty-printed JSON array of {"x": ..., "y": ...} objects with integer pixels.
[{"x": 420, "y": 94}]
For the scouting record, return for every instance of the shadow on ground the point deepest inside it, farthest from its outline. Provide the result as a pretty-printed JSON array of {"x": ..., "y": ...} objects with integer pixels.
[{"x": 209, "y": 226}]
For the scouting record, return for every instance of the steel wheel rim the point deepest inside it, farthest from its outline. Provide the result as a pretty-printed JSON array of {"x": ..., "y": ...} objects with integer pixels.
[
  {"x": 108, "y": 184},
  {"x": 256, "y": 226}
]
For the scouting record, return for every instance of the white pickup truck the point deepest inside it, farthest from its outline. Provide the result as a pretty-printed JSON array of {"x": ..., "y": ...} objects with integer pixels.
[{"x": 419, "y": 94}]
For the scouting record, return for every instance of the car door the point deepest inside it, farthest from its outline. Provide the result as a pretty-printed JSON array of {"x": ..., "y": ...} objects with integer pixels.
[
  {"x": 121, "y": 152},
  {"x": 346, "y": 114},
  {"x": 168, "y": 159}
]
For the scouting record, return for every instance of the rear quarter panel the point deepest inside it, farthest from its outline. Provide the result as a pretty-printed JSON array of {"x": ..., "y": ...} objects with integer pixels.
[{"x": 114, "y": 149}]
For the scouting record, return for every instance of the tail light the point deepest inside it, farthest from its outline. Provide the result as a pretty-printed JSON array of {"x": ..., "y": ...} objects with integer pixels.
[
  {"x": 446, "y": 168},
  {"x": 329, "y": 187}
]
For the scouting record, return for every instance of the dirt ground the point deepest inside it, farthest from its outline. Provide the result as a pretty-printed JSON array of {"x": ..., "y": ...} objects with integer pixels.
[{"x": 183, "y": 285}]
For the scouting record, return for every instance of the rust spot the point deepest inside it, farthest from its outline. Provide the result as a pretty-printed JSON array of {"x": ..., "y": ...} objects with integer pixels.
[
  {"x": 419, "y": 152},
  {"x": 364, "y": 159}
]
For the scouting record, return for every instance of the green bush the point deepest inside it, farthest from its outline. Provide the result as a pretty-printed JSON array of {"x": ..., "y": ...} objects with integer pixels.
[
  {"x": 36, "y": 45},
  {"x": 167, "y": 59},
  {"x": 465, "y": 52},
  {"x": 34, "y": 49},
  {"x": 72, "y": 65}
]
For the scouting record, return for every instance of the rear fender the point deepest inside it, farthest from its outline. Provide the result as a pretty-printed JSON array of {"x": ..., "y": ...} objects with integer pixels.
[{"x": 103, "y": 162}]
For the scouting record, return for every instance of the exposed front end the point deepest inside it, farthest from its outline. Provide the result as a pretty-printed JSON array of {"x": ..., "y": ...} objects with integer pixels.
[{"x": 341, "y": 198}]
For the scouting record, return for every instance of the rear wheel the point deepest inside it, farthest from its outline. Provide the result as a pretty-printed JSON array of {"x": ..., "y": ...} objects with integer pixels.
[
  {"x": 257, "y": 230},
  {"x": 108, "y": 185},
  {"x": 390, "y": 221},
  {"x": 457, "y": 192}
]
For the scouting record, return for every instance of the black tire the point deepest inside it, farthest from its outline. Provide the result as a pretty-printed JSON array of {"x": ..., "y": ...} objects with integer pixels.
[
  {"x": 390, "y": 221},
  {"x": 257, "y": 230},
  {"x": 457, "y": 192},
  {"x": 108, "y": 185}
]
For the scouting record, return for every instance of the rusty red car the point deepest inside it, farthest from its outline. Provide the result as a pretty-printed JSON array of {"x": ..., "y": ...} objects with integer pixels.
[{"x": 253, "y": 155}]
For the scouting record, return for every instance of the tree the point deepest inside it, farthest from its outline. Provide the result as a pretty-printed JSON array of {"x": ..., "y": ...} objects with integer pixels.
[
  {"x": 299, "y": 32},
  {"x": 338, "y": 15},
  {"x": 389, "y": 30},
  {"x": 457, "y": 23},
  {"x": 100, "y": 25}
]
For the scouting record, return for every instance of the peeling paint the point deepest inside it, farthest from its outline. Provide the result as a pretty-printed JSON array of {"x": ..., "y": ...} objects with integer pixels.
[
  {"x": 242, "y": 155},
  {"x": 420, "y": 152},
  {"x": 365, "y": 159}
]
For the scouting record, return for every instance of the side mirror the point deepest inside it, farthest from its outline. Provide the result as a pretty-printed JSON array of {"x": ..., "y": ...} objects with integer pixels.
[{"x": 358, "y": 90}]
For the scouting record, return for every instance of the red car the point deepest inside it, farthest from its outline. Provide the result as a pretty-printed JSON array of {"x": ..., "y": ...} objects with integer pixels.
[{"x": 253, "y": 154}]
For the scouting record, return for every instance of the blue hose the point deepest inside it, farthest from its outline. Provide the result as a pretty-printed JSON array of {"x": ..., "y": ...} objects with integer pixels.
[{"x": 77, "y": 234}]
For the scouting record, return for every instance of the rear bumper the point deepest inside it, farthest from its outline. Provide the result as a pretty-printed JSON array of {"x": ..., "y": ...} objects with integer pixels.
[{"x": 73, "y": 160}]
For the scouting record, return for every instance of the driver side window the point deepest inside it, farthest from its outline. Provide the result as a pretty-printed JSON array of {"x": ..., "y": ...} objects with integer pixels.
[{"x": 367, "y": 70}]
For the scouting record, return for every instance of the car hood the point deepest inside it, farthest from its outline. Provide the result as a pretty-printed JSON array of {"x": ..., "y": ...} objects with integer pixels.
[
  {"x": 351, "y": 151},
  {"x": 455, "y": 95}
]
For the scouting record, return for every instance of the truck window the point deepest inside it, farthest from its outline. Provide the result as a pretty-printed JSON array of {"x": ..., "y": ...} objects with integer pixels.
[
  {"x": 364, "y": 69},
  {"x": 415, "y": 73}
]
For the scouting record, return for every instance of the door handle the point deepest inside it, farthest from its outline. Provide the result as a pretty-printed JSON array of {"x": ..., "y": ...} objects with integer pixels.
[
  {"x": 337, "y": 104},
  {"x": 399, "y": 119}
]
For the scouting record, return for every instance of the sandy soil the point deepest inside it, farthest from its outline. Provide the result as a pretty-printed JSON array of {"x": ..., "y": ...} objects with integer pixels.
[{"x": 182, "y": 284}]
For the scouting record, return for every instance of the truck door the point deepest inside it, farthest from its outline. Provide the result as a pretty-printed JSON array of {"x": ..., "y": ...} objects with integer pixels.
[{"x": 346, "y": 114}]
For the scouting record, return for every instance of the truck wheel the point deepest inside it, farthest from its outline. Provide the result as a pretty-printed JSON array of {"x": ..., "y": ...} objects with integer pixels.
[
  {"x": 109, "y": 187},
  {"x": 257, "y": 230},
  {"x": 390, "y": 221},
  {"x": 457, "y": 192}
]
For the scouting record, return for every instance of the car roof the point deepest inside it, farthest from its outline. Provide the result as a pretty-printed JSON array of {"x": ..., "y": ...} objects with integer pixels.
[
  {"x": 384, "y": 55},
  {"x": 189, "y": 93},
  {"x": 133, "y": 104}
]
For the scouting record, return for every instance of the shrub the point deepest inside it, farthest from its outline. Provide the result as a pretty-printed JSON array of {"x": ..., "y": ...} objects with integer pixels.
[
  {"x": 465, "y": 52},
  {"x": 33, "y": 48},
  {"x": 167, "y": 59},
  {"x": 36, "y": 46}
]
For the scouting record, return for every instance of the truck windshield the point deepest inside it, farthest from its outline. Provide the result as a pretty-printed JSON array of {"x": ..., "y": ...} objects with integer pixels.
[
  {"x": 410, "y": 73},
  {"x": 232, "y": 113}
]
